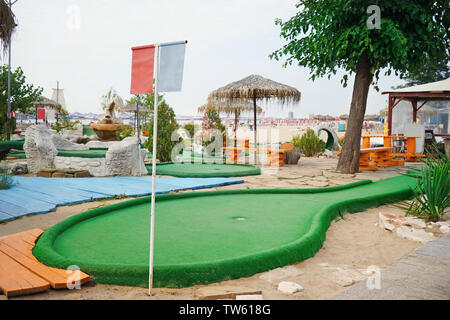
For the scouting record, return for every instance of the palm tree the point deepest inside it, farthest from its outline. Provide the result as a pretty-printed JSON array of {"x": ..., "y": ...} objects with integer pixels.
[
  {"x": 7, "y": 24},
  {"x": 110, "y": 97}
]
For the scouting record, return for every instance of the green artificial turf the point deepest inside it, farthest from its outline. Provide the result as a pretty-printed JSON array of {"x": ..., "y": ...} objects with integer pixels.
[
  {"x": 13, "y": 144},
  {"x": 203, "y": 170},
  {"x": 91, "y": 153},
  {"x": 87, "y": 131},
  {"x": 196, "y": 238},
  {"x": 20, "y": 155}
]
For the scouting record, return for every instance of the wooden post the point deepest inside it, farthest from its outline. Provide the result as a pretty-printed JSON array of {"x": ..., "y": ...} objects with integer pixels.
[
  {"x": 366, "y": 142},
  {"x": 391, "y": 100},
  {"x": 414, "y": 105}
]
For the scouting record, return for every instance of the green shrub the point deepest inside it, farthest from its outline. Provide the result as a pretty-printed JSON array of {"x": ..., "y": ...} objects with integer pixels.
[
  {"x": 309, "y": 144},
  {"x": 64, "y": 123},
  {"x": 190, "y": 128},
  {"x": 125, "y": 131},
  {"x": 166, "y": 126},
  {"x": 341, "y": 140},
  {"x": 432, "y": 192},
  {"x": 6, "y": 181}
]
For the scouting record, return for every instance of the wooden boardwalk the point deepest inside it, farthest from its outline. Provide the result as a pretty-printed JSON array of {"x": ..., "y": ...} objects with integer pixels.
[{"x": 21, "y": 273}]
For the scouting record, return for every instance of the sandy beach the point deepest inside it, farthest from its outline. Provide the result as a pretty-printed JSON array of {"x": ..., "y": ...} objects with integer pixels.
[{"x": 352, "y": 244}]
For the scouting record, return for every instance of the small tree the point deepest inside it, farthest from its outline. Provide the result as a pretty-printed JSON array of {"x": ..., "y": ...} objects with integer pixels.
[
  {"x": 62, "y": 123},
  {"x": 190, "y": 128},
  {"x": 146, "y": 101},
  {"x": 353, "y": 35},
  {"x": 23, "y": 95},
  {"x": 166, "y": 126},
  {"x": 211, "y": 120}
]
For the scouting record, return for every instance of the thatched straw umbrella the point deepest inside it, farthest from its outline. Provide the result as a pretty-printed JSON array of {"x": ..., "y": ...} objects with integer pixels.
[
  {"x": 7, "y": 24},
  {"x": 254, "y": 88},
  {"x": 323, "y": 117},
  {"x": 228, "y": 108},
  {"x": 44, "y": 102},
  {"x": 371, "y": 117}
]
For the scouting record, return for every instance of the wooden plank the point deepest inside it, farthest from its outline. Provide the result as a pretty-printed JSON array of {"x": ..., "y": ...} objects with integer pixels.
[
  {"x": 21, "y": 252},
  {"x": 35, "y": 233},
  {"x": 17, "y": 280},
  {"x": 56, "y": 280}
]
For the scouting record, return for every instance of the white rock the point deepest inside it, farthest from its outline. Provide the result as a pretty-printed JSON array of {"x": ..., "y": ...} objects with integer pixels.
[
  {"x": 126, "y": 158},
  {"x": 383, "y": 222},
  {"x": 39, "y": 148},
  {"x": 289, "y": 287},
  {"x": 415, "y": 223},
  {"x": 444, "y": 229},
  {"x": 328, "y": 153},
  {"x": 97, "y": 144},
  {"x": 413, "y": 234},
  {"x": 443, "y": 223},
  {"x": 64, "y": 144},
  {"x": 346, "y": 278}
]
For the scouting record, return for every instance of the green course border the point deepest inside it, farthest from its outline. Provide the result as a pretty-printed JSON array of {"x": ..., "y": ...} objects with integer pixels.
[
  {"x": 187, "y": 275},
  {"x": 251, "y": 170},
  {"x": 91, "y": 153},
  {"x": 13, "y": 144}
]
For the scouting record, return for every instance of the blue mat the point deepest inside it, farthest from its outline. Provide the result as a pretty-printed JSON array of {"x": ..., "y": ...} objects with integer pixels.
[{"x": 33, "y": 195}]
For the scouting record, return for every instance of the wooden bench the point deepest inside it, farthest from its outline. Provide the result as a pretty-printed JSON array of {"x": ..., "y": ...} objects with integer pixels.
[{"x": 275, "y": 156}]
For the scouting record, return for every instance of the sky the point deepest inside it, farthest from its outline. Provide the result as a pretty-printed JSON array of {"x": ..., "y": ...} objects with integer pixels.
[{"x": 86, "y": 46}]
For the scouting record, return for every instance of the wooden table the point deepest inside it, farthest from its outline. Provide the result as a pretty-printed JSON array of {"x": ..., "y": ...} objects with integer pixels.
[
  {"x": 409, "y": 155},
  {"x": 372, "y": 158}
]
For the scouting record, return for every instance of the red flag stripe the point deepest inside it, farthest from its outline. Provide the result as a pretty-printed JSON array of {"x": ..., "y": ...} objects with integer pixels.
[{"x": 142, "y": 69}]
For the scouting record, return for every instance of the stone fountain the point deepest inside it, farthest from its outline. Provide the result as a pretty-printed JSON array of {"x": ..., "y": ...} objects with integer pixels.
[{"x": 108, "y": 127}]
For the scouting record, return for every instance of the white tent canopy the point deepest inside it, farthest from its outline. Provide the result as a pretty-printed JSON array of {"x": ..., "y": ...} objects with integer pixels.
[{"x": 438, "y": 86}]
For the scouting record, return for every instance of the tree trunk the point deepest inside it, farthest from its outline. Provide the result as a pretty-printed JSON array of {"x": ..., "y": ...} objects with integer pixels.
[{"x": 349, "y": 158}]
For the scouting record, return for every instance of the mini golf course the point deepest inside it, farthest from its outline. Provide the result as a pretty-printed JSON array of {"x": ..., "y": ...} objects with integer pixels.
[
  {"x": 204, "y": 237},
  {"x": 204, "y": 170}
]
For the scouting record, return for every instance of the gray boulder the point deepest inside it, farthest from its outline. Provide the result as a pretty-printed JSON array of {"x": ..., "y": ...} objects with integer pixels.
[
  {"x": 39, "y": 148},
  {"x": 64, "y": 144},
  {"x": 293, "y": 157}
]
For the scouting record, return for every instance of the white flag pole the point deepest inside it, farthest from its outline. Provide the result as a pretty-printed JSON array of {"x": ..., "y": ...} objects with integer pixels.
[{"x": 155, "y": 132}]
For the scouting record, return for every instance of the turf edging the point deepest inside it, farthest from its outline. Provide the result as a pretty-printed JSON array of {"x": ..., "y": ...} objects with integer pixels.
[
  {"x": 186, "y": 275},
  {"x": 161, "y": 169}
]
